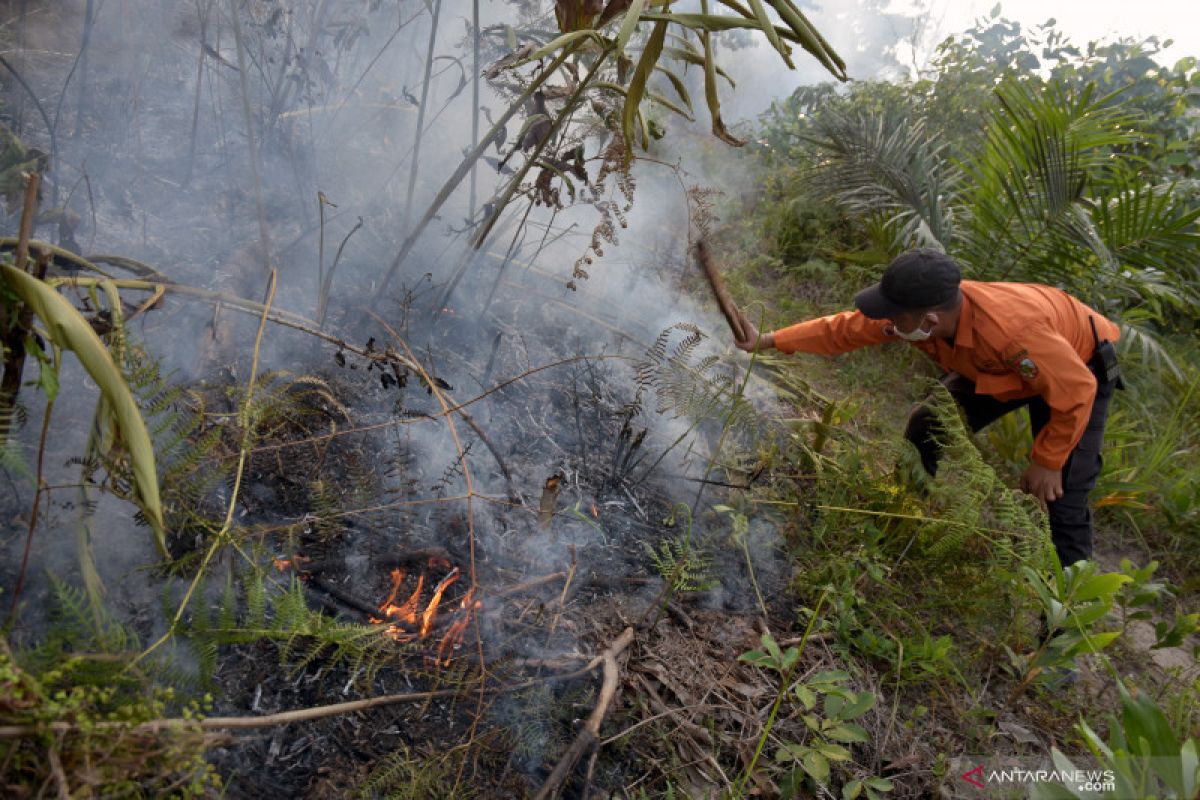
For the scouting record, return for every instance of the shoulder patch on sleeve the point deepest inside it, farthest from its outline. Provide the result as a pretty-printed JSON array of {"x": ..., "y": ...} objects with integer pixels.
[{"x": 1018, "y": 360}]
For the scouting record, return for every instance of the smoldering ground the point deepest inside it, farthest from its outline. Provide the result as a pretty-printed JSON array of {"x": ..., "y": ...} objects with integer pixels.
[{"x": 214, "y": 152}]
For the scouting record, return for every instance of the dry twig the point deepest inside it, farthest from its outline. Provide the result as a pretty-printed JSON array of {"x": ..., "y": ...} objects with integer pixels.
[{"x": 589, "y": 735}]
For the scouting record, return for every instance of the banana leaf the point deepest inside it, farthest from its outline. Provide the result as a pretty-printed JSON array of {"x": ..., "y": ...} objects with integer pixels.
[
  {"x": 637, "y": 84},
  {"x": 70, "y": 331}
]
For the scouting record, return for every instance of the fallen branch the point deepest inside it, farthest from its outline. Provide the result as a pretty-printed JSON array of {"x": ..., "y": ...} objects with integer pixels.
[
  {"x": 732, "y": 314},
  {"x": 589, "y": 735},
  {"x": 396, "y": 558},
  {"x": 306, "y": 714},
  {"x": 345, "y": 599},
  {"x": 287, "y": 319}
]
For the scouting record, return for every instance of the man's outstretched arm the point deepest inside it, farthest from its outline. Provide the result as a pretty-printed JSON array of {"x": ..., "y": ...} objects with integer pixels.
[{"x": 830, "y": 336}]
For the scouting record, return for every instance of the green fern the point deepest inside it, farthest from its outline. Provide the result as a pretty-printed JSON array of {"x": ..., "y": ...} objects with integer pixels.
[
  {"x": 86, "y": 641},
  {"x": 12, "y": 460},
  {"x": 325, "y": 507},
  {"x": 405, "y": 775},
  {"x": 542, "y": 727},
  {"x": 979, "y": 504},
  {"x": 682, "y": 565},
  {"x": 186, "y": 444},
  {"x": 305, "y": 636}
]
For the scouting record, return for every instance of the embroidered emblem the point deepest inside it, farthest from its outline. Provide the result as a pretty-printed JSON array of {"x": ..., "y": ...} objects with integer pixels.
[
  {"x": 1015, "y": 359},
  {"x": 1027, "y": 368}
]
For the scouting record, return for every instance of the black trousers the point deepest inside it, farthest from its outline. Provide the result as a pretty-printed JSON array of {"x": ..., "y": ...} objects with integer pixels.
[{"x": 1070, "y": 516}]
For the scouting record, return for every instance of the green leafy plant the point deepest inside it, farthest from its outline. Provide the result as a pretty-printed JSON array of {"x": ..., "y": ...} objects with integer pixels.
[
  {"x": 1075, "y": 601},
  {"x": 828, "y": 708},
  {"x": 1143, "y": 756},
  {"x": 1141, "y": 593},
  {"x": 80, "y": 713}
]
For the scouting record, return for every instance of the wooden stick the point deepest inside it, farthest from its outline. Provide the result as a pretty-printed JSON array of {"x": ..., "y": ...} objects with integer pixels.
[
  {"x": 29, "y": 211},
  {"x": 305, "y": 714},
  {"x": 732, "y": 314},
  {"x": 589, "y": 735},
  {"x": 533, "y": 583}
]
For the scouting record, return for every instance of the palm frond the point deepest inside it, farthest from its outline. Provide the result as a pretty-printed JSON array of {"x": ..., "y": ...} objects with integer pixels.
[
  {"x": 1150, "y": 227},
  {"x": 1026, "y": 202},
  {"x": 884, "y": 163},
  {"x": 1139, "y": 340}
]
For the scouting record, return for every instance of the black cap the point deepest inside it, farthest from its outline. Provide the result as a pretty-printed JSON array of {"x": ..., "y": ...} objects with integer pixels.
[{"x": 914, "y": 281}]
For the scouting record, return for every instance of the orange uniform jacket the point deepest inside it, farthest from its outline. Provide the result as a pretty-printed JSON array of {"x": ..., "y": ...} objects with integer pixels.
[{"x": 1014, "y": 340}]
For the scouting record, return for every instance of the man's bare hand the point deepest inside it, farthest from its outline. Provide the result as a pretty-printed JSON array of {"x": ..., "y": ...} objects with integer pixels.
[
  {"x": 1043, "y": 483},
  {"x": 751, "y": 340}
]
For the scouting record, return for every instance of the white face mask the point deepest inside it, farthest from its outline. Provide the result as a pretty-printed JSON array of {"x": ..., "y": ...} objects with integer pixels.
[{"x": 917, "y": 334}]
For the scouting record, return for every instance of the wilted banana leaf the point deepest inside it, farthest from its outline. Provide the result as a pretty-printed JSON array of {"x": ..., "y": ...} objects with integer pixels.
[
  {"x": 768, "y": 28},
  {"x": 559, "y": 43},
  {"x": 71, "y": 331},
  {"x": 690, "y": 55},
  {"x": 678, "y": 85},
  {"x": 710, "y": 82},
  {"x": 637, "y": 84},
  {"x": 629, "y": 24},
  {"x": 810, "y": 38}
]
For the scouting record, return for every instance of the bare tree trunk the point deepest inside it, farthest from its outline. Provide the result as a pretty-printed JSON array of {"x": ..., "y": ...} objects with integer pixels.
[
  {"x": 89, "y": 20},
  {"x": 416, "y": 156},
  {"x": 474, "y": 97},
  {"x": 264, "y": 240},
  {"x": 203, "y": 15}
]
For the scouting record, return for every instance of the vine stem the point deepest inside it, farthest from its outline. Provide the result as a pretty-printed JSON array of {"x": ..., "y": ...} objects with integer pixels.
[
  {"x": 37, "y": 495},
  {"x": 785, "y": 684},
  {"x": 243, "y": 453},
  {"x": 470, "y": 513},
  {"x": 285, "y": 717}
]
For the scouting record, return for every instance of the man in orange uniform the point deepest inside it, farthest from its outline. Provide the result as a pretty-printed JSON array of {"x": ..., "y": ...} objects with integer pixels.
[{"x": 1004, "y": 346}]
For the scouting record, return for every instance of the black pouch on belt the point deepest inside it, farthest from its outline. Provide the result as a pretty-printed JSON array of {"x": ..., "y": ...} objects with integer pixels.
[{"x": 1104, "y": 361}]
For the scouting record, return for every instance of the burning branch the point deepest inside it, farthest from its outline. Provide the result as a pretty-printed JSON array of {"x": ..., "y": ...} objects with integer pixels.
[
  {"x": 589, "y": 735},
  {"x": 733, "y": 314}
]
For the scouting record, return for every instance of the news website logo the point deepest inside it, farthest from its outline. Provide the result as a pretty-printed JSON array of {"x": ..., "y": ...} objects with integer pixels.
[{"x": 1096, "y": 781}]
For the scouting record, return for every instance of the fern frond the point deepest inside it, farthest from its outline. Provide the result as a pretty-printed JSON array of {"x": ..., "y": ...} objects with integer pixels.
[
  {"x": 682, "y": 565},
  {"x": 980, "y": 502}
]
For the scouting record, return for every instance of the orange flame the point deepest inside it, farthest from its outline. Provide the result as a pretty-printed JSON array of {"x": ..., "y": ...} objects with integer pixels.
[
  {"x": 595, "y": 511},
  {"x": 397, "y": 579},
  {"x": 431, "y": 610},
  {"x": 284, "y": 564},
  {"x": 403, "y": 618},
  {"x": 454, "y": 634},
  {"x": 408, "y": 611}
]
